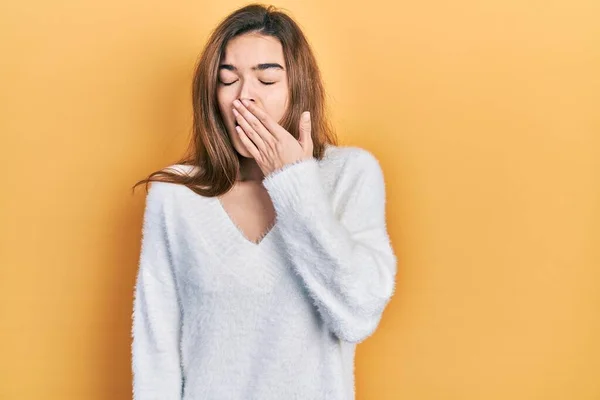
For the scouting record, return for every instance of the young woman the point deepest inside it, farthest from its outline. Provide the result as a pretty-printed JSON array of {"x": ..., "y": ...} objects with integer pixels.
[{"x": 265, "y": 257}]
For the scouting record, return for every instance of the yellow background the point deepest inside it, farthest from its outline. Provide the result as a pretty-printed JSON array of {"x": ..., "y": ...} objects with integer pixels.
[{"x": 484, "y": 115}]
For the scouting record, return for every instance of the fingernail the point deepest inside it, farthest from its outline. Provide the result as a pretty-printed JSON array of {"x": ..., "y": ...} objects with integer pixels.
[
  {"x": 236, "y": 103},
  {"x": 306, "y": 115}
]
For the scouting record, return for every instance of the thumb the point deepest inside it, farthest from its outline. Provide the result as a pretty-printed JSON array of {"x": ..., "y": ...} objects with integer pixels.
[{"x": 305, "y": 129}]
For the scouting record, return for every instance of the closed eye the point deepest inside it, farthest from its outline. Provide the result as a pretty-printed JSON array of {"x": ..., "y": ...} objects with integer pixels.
[
  {"x": 227, "y": 83},
  {"x": 231, "y": 83}
]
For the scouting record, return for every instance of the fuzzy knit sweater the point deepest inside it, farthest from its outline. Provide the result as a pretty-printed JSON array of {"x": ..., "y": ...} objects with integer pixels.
[{"x": 218, "y": 317}]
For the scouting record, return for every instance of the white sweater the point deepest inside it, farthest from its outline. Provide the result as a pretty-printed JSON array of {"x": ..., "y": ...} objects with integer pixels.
[{"x": 218, "y": 317}]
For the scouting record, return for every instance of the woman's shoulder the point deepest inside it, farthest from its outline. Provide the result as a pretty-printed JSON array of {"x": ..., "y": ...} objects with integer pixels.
[
  {"x": 350, "y": 159},
  {"x": 160, "y": 190},
  {"x": 181, "y": 169}
]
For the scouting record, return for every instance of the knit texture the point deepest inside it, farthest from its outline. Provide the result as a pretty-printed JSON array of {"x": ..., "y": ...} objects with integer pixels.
[{"x": 218, "y": 317}]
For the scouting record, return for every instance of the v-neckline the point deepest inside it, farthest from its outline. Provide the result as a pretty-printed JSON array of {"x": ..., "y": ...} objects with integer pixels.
[{"x": 238, "y": 231}]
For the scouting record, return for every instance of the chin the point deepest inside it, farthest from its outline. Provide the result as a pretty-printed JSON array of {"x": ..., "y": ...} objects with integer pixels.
[
  {"x": 241, "y": 150},
  {"x": 245, "y": 154}
]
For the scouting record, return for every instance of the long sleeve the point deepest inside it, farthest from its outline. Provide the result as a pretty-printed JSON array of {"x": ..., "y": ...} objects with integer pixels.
[
  {"x": 344, "y": 258},
  {"x": 156, "y": 357}
]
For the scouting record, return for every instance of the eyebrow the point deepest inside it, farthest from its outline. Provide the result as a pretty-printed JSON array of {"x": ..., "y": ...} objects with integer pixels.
[{"x": 259, "y": 67}]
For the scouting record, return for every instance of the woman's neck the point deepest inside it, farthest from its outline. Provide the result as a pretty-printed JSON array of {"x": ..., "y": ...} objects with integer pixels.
[{"x": 250, "y": 170}]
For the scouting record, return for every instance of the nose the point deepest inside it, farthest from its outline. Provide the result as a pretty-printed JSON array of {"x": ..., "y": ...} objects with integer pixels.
[{"x": 247, "y": 91}]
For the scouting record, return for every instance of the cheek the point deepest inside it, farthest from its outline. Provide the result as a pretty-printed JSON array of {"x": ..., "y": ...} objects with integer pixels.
[
  {"x": 225, "y": 101},
  {"x": 276, "y": 103}
]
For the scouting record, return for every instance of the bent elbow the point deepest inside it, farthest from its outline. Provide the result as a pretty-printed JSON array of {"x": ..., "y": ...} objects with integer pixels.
[
  {"x": 358, "y": 326},
  {"x": 358, "y": 332}
]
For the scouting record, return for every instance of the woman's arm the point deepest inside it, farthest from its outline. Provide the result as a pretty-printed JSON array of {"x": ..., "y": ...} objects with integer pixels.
[
  {"x": 346, "y": 262},
  {"x": 156, "y": 315}
]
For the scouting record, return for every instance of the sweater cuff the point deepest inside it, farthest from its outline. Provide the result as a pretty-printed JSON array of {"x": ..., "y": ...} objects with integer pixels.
[{"x": 296, "y": 189}]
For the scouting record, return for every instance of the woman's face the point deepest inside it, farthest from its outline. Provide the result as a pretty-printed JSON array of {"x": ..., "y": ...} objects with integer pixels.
[{"x": 252, "y": 68}]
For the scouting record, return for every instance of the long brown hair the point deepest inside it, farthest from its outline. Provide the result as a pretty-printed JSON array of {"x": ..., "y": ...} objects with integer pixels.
[{"x": 210, "y": 148}]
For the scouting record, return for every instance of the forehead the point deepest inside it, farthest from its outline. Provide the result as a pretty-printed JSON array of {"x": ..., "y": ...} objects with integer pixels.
[{"x": 250, "y": 49}]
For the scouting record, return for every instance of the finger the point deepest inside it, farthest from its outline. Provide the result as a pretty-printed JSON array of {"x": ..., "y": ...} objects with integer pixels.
[
  {"x": 249, "y": 144},
  {"x": 249, "y": 131},
  {"x": 253, "y": 121},
  {"x": 265, "y": 119},
  {"x": 304, "y": 136}
]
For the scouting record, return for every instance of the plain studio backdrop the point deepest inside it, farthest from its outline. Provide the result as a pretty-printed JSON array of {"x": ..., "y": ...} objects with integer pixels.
[{"x": 485, "y": 116}]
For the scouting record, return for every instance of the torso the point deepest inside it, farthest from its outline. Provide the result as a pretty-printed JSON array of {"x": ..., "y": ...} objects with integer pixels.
[
  {"x": 250, "y": 208},
  {"x": 239, "y": 299}
]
